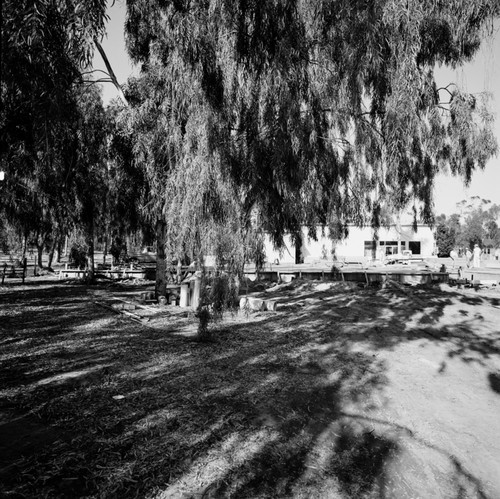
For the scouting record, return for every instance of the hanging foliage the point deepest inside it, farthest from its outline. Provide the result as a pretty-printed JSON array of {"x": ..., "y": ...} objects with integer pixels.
[
  {"x": 320, "y": 112},
  {"x": 46, "y": 45}
]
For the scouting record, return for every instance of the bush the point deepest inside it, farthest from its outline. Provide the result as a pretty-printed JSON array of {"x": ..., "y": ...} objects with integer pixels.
[
  {"x": 10, "y": 240},
  {"x": 118, "y": 251},
  {"x": 218, "y": 294},
  {"x": 78, "y": 251},
  {"x": 256, "y": 250}
]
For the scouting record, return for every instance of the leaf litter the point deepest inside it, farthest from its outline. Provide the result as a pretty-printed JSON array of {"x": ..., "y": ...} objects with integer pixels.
[{"x": 258, "y": 412}]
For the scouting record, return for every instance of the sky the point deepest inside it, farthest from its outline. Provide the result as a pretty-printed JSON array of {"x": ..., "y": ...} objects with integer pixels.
[
  {"x": 114, "y": 46},
  {"x": 482, "y": 74}
]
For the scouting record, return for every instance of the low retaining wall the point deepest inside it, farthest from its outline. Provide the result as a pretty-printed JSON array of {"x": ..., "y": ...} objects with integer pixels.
[{"x": 367, "y": 276}]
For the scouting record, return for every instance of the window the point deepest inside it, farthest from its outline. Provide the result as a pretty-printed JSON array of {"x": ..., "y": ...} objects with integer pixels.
[
  {"x": 414, "y": 247},
  {"x": 389, "y": 247},
  {"x": 391, "y": 250}
]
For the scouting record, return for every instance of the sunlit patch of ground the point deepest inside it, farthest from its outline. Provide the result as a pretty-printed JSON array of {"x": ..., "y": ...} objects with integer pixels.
[{"x": 343, "y": 392}]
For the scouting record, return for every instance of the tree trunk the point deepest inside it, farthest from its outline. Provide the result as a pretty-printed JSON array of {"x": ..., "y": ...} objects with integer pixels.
[
  {"x": 53, "y": 247},
  {"x": 25, "y": 245},
  {"x": 161, "y": 263},
  {"x": 105, "y": 251},
  {"x": 90, "y": 252},
  {"x": 110, "y": 71},
  {"x": 59, "y": 249},
  {"x": 39, "y": 247},
  {"x": 128, "y": 245},
  {"x": 375, "y": 245},
  {"x": 40, "y": 243}
]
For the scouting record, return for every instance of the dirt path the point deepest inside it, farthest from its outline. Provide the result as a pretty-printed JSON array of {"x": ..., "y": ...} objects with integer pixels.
[
  {"x": 344, "y": 393},
  {"x": 442, "y": 403}
]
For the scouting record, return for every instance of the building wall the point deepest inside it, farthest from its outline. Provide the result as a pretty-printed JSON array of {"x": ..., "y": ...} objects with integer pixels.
[
  {"x": 404, "y": 238},
  {"x": 354, "y": 247},
  {"x": 286, "y": 255}
]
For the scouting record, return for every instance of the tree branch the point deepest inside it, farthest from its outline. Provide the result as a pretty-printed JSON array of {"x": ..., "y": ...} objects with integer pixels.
[{"x": 110, "y": 71}]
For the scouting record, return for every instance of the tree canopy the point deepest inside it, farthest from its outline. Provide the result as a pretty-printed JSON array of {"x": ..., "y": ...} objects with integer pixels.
[
  {"x": 475, "y": 223},
  {"x": 46, "y": 48},
  {"x": 314, "y": 112},
  {"x": 247, "y": 116}
]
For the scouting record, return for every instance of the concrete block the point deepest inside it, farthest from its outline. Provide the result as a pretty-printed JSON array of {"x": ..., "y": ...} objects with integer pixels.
[
  {"x": 184, "y": 300},
  {"x": 148, "y": 296},
  {"x": 194, "y": 292},
  {"x": 271, "y": 305},
  {"x": 251, "y": 303},
  {"x": 256, "y": 304},
  {"x": 123, "y": 306}
]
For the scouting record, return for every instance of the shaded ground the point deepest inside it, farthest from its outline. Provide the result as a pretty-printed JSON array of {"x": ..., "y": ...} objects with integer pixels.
[{"x": 344, "y": 393}]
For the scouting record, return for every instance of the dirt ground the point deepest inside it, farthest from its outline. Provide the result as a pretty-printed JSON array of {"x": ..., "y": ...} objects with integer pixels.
[{"x": 343, "y": 392}]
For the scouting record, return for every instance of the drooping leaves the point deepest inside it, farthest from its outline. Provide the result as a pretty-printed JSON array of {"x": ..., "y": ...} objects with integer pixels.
[
  {"x": 45, "y": 46},
  {"x": 313, "y": 112}
]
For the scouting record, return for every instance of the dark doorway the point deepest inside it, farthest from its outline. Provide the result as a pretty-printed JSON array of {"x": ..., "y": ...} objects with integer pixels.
[
  {"x": 299, "y": 258},
  {"x": 414, "y": 247}
]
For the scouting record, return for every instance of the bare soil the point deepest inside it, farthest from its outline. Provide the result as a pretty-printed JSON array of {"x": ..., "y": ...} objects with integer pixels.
[{"x": 343, "y": 392}]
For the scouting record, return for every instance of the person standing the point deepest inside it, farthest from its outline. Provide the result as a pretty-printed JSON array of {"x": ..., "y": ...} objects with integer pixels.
[
  {"x": 477, "y": 256},
  {"x": 453, "y": 256},
  {"x": 468, "y": 256}
]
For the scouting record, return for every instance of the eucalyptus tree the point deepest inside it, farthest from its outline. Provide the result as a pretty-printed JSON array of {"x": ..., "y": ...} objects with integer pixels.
[
  {"x": 447, "y": 233},
  {"x": 157, "y": 116},
  {"x": 127, "y": 185},
  {"x": 46, "y": 45},
  {"x": 86, "y": 177},
  {"x": 322, "y": 111},
  {"x": 478, "y": 224},
  {"x": 194, "y": 208}
]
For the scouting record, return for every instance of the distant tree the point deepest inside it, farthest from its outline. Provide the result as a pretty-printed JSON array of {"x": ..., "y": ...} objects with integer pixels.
[
  {"x": 45, "y": 47},
  {"x": 10, "y": 242},
  {"x": 128, "y": 191},
  {"x": 127, "y": 185},
  {"x": 479, "y": 222},
  {"x": 472, "y": 231},
  {"x": 493, "y": 232},
  {"x": 446, "y": 235},
  {"x": 87, "y": 178}
]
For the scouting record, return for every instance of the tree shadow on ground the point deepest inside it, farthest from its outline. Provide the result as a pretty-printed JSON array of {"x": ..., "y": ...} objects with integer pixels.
[
  {"x": 259, "y": 412},
  {"x": 394, "y": 315},
  {"x": 494, "y": 379},
  {"x": 38, "y": 329},
  {"x": 314, "y": 449}
]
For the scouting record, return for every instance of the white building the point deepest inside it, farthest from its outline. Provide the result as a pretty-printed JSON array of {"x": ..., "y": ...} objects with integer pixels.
[{"x": 358, "y": 246}]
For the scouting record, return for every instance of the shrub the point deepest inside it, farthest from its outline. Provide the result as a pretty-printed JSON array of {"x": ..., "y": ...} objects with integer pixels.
[
  {"x": 78, "y": 250},
  {"x": 218, "y": 294}
]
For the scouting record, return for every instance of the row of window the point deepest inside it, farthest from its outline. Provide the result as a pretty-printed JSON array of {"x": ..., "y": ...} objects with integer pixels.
[{"x": 391, "y": 247}]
